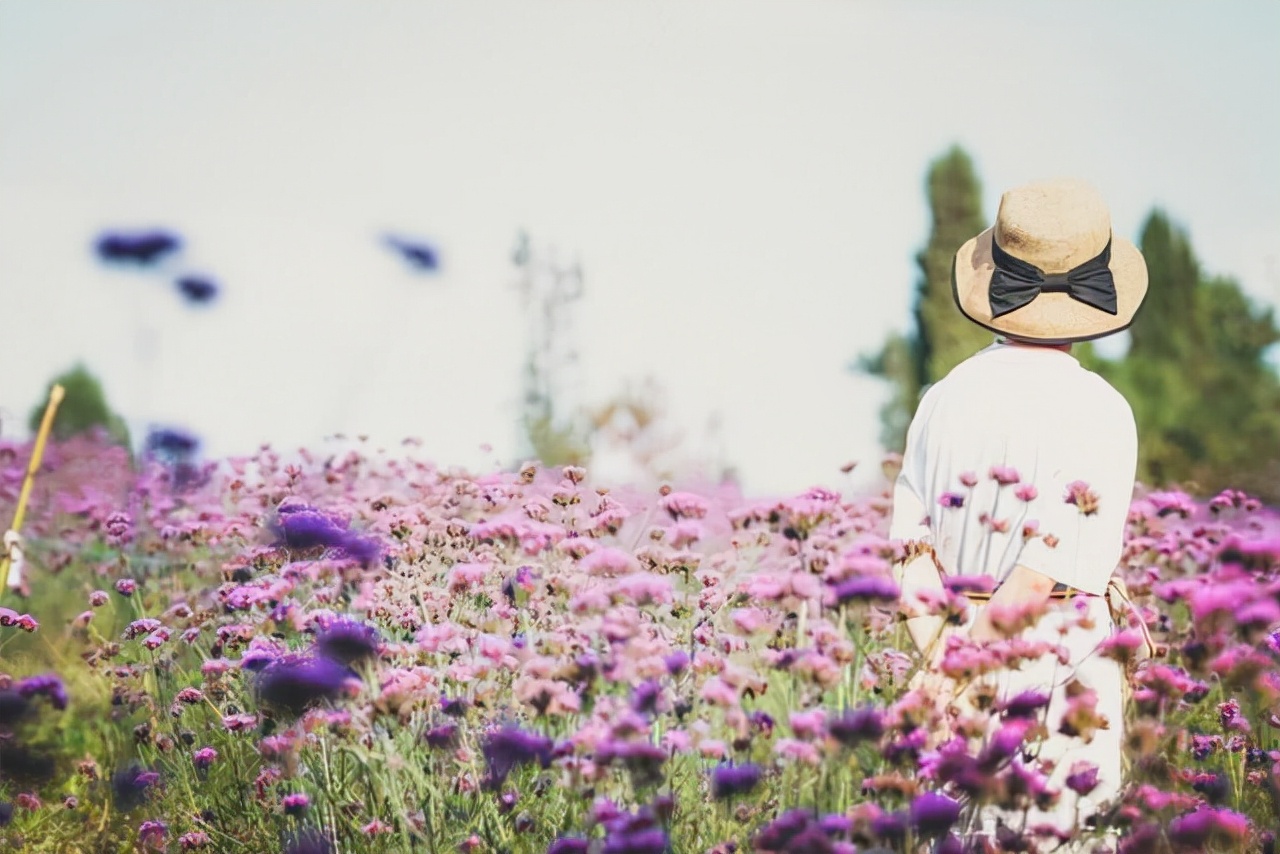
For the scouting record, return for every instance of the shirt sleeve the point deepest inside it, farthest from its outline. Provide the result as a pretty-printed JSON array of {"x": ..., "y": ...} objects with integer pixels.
[{"x": 1085, "y": 487}]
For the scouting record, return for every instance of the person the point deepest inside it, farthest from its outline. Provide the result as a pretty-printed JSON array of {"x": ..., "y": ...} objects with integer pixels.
[{"x": 1019, "y": 469}]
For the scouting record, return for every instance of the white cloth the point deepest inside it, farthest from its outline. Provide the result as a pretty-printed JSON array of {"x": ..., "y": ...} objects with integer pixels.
[{"x": 1037, "y": 411}]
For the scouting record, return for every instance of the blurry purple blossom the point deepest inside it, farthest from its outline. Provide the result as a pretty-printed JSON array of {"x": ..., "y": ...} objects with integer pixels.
[
  {"x": 203, "y": 758},
  {"x": 140, "y": 247},
  {"x": 569, "y": 845},
  {"x": 172, "y": 442},
  {"x": 871, "y": 588},
  {"x": 729, "y": 781},
  {"x": 47, "y": 685},
  {"x": 196, "y": 290},
  {"x": 152, "y": 833},
  {"x": 295, "y": 804},
  {"x": 932, "y": 814},
  {"x": 131, "y": 785},
  {"x": 509, "y": 747},
  {"x": 295, "y": 683},
  {"x": 951, "y": 500},
  {"x": 856, "y": 726},
  {"x": 417, "y": 254},
  {"x": 347, "y": 641},
  {"x": 1205, "y": 825},
  {"x": 307, "y": 841},
  {"x": 126, "y": 586}
]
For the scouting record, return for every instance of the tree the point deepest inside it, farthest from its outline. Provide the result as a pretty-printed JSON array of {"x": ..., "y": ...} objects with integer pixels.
[
  {"x": 942, "y": 337},
  {"x": 83, "y": 408},
  {"x": 1206, "y": 401}
]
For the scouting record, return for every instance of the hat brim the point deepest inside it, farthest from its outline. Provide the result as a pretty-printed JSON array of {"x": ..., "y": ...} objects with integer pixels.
[{"x": 1054, "y": 318}]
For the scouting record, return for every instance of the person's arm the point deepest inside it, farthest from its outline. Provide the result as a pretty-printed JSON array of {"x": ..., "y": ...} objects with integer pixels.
[
  {"x": 1023, "y": 586},
  {"x": 915, "y": 576}
]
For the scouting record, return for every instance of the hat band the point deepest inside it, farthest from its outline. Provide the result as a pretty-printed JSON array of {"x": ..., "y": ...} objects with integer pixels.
[{"x": 1015, "y": 282}]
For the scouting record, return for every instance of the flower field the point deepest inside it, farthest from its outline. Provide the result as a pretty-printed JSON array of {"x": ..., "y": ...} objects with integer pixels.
[{"x": 362, "y": 651}]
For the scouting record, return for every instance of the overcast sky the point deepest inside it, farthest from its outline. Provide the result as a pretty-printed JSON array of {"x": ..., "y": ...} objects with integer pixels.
[{"x": 741, "y": 182}]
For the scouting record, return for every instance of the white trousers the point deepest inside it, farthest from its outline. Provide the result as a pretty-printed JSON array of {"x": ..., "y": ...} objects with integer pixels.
[{"x": 1047, "y": 674}]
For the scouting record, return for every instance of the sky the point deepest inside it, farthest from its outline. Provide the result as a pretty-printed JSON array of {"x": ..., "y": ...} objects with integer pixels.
[{"x": 741, "y": 183}]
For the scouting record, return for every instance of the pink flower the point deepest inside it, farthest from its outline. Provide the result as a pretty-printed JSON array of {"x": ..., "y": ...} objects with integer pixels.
[
  {"x": 1005, "y": 475},
  {"x": 608, "y": 561},
  {"x": 803, "y": 752},
  {"x": 1026, "y": 492},
  {"x": 808, "y": 725},
  {"x": 684, "y": 505},
  {"x": 968, "y": 479}
]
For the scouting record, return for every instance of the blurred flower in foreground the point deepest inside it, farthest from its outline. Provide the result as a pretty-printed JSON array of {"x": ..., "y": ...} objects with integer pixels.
[
  {"x": 419, "y": 255},
  {"x": 197, "y": 290},
  {"x": 505, "y": 749},
  {"x": 347, "y": 641},
  {"x": 139, "y": 247},
  {"x": 172, "y": 442},
  {"x": 295, "y": 683},
  {"x": 730, "y": 780},
  {"x": 300, "y": 526},
  {"x": 130, "y": 786}
]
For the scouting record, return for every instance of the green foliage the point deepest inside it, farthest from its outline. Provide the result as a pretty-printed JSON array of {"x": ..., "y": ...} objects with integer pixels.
[
  {"x": 83, "y": 408},
  {"x": 1206, "y": 402},
  {"x": 942, "y": 337}
]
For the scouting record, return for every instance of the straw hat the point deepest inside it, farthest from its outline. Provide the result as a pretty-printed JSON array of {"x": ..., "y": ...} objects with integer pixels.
[{"x": 1050, "y": 270}]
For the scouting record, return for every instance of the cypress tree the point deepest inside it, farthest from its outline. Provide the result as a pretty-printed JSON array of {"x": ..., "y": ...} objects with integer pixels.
[{"x": 942, "y": 337}]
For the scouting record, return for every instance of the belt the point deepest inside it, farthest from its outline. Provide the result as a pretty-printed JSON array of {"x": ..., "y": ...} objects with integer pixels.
[{"x": 1060, "y": 591}]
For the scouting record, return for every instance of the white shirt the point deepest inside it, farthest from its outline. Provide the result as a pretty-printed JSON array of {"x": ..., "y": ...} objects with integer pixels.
[{"x": 1037, "y": 411}]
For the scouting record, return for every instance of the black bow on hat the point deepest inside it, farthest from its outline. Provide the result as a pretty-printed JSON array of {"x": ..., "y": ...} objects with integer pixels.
[{"x": 1016, "y": 282}]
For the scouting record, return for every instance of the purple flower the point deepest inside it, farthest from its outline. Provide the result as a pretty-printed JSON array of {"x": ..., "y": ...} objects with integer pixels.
[
  {"x": 295, "y": 804},
  {"x": 676, "y": 662},
  {"x": 454, "y": 707},
  {"x": 420, "y": 256},
  {"x": 347, "y": 641},
  {"x": 645, "y": 697},
  {"x": 1025, "y": 704},
  {"x": 26, "y": 767},
  {"x": 890, "y": 827},
  {"x": 441, "y": 736},
  {"x": 171, "y": 442},
  {"x": 204, "y": 758},
  {"x": 933, "y": 814},
  {"x": 1083, "y": 778},
  {"x": 856, "y": 726},
  {"x": 307, "y": 841},
  {"x": 13, "y": 708},
  {"x": 951, "y": 500},
  {"x": 652, "y": 840},
  {"x": 1205, "y": 824},
  {"x": 46, "y": 685},
  {"x": 867, "y": 588},
  {"x": 131, "y": 785},
  {"x": 197, "y": 290},
  {"x": 140, "y": 247},
  {"x": 153, "y": 832},
  {"x": 781, "y": 832},
  {"x": 295, "y": 683},
  {"x": 569, "y": 845},
  {"x": 307, "y": 528},
  {"x": 509, "y": 747},
  {"x": 126, "y": 586},
  {"x": 728, "y": 781}
]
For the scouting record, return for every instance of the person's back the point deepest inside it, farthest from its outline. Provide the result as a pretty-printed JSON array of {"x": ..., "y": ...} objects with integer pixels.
[{"x": 1034, "y": 414}]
